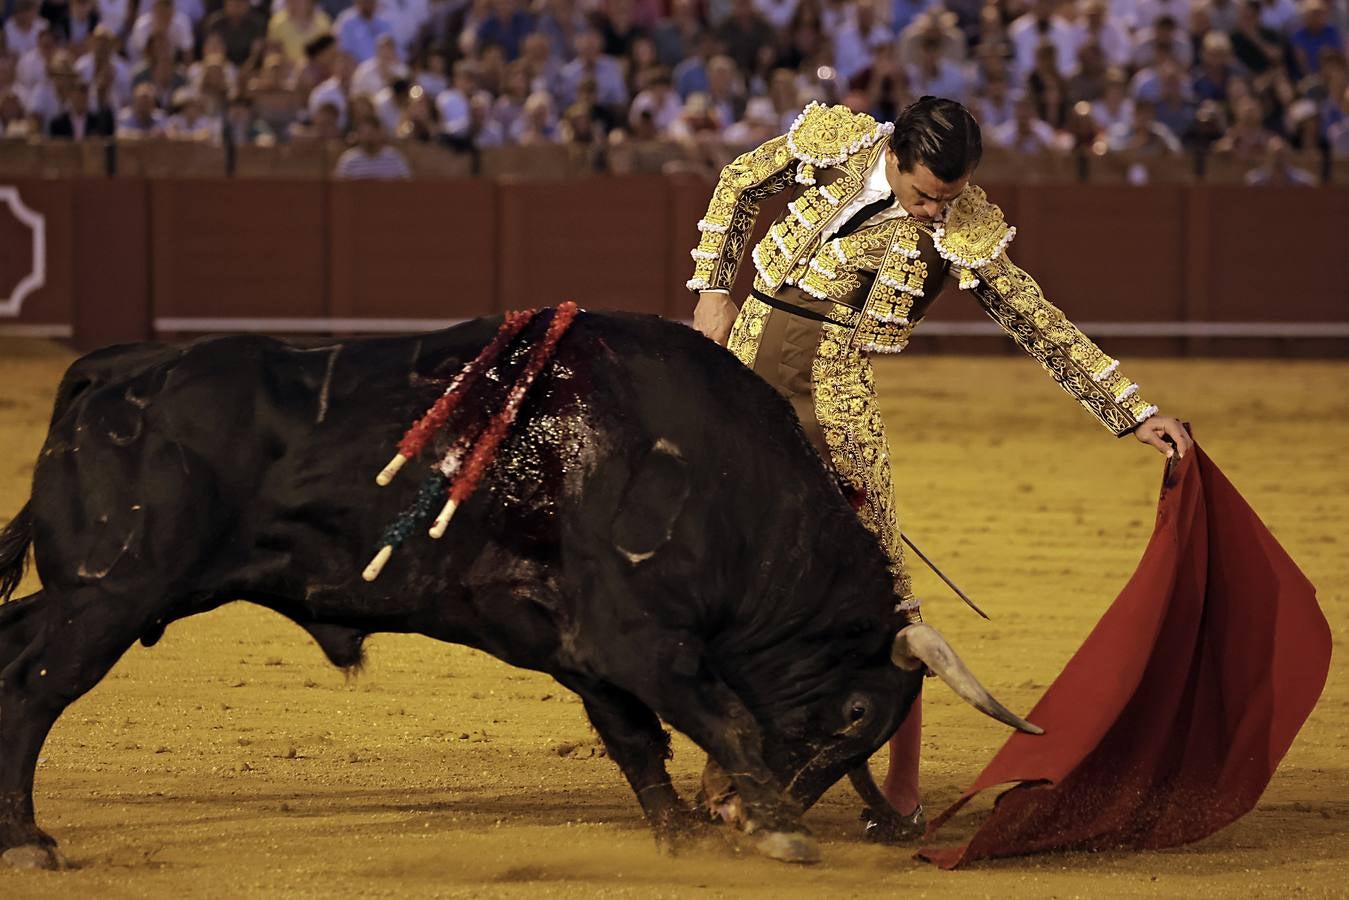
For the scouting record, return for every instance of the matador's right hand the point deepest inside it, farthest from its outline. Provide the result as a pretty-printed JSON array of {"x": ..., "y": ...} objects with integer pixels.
[{"x": 714, "y": 315}]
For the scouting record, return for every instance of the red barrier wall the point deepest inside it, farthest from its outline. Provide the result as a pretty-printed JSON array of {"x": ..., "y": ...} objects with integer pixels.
[{"x": 128, "y": 257}]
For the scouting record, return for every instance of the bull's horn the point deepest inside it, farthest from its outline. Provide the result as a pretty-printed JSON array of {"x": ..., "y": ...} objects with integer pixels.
[{"x": 921, "y": 643}]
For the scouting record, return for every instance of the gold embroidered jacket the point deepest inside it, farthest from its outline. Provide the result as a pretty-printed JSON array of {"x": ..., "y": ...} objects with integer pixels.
[{"x": 881, "y": 279}]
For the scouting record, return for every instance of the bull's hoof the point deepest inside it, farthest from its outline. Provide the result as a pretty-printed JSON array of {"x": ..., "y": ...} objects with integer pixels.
[
  {"x": 787, "y": 846},
  {"x": 681, "y": 829},
  {"x": 889, "y": 827},
  {"x": 33, "y": 856}
]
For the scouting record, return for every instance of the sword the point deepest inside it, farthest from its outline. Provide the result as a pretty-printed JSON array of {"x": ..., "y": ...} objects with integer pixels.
[{"x": 942, "y": 575}]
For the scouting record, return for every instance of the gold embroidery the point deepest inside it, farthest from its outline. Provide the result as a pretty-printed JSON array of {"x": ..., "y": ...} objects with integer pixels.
[
  {"x": 825, "y": 136},
  {"x": 733, "y": 209},
  {"x": 1013, "y": 300},
  {"x": 974, "y": 233},
  {"x": 850, "y": 419}
]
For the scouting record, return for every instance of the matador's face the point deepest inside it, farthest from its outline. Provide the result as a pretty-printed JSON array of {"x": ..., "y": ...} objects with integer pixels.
[{"x": 922, "y": 194}]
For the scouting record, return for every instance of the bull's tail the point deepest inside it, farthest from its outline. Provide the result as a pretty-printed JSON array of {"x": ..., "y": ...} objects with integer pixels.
[{"x": 15, "y": 540}]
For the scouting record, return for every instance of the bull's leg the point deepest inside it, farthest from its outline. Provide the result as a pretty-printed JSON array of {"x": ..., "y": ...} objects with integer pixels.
[
  {"x": 74, "y": 640},
  {"x": 714, "y": 717},
  {"x": 635, "y": 740}
]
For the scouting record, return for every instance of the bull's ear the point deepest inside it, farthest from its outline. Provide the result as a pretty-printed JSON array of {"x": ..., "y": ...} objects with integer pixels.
[{"x": 651, "y": 502}]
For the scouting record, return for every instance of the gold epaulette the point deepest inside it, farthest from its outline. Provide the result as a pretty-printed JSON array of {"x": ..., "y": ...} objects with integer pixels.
[
  {"x": 973, "y": 234},
  {"x": 824, "y": 136}
]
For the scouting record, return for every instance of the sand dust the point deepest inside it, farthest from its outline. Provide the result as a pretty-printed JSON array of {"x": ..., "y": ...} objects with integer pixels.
[{"x": 232, "y": 761}]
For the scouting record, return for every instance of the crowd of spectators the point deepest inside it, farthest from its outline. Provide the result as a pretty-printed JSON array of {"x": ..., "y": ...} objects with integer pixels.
[{"x": 1257, "y": 80}]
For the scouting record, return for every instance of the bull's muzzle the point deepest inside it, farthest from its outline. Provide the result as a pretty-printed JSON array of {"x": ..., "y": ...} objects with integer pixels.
[{"x": 921, "y": 644}]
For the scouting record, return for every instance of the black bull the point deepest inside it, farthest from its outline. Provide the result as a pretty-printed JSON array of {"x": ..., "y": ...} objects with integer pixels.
[{"x": 656, "y": 534}]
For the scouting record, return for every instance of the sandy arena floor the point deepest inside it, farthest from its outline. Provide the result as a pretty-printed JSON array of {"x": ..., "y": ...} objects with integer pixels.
[{"x": 231, "y": 761}]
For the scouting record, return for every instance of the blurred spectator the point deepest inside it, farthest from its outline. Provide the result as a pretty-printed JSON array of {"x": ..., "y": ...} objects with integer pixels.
[
  {"x": 1222, "y": 15},
  {"x": 540, "y": 64},
  {"x": 1143, "y": 135},
  {"x": 240, "y": 29},
  {"x": 1043, "y": 23},
  {"x": 861, "y": 35},
  {"x": 537, "y": 123},
  {"x": 1215, "y": 68},
  {"x": 47, "y": 98},
  {"x": 323, "y": 125},
  {"x": 591, "y": 65},
  {"x": 380, "y": 70},
  {"x": 511, "y": 104},
  {"x": 1247, "y": 137},
  {"x": 938, "y": 22},
  {"x": 14, "y": 120},
  {"x": 725, "y": 93},
  {"x": 359, "y": 28},
  {"x": 161, "y": 20},
  {"x": 745, "y": 31},
  {"x": 417, "y": 121},
  {"x": 1088, "y": 82},
  {"x": 242, "y": 126},
  {"x": 659, "y": 104},
  {"x": 677, "y": 37},
  {"x": 1147, "y": 12},
  {"x": 618, "y": 27},
  {"x": 1025, "y": 133},
  {"x": 1110, "y": 36},
  {"x": 1174, "y": 108},
  {"x": 333, "y": 89},
  {"x": 561, "y": 21},
  {"x": 934, "y": 74},
  {"x": 159, "y": 71},
  {"x": 779, "y": 13},
  {"x": 78, "y": 24},
  {"x": 1278, "y": 168},
  {"x": 79, "y": 120},
  {"x": 1085, "y": 137},
  {"x": 995, "y": 104},
  {"x": 506, "y": 25},
  {"x": 295, "y": 26},
  {"x": 1278, "y": 15},
  {"x": 1255, "y": 46},
  {"x": 697, "y": 121},
  {"x": 785, "y": 94},
  {"x": 1315, "y": 34},
  {"x": 391, "y": 102},
  {"x": 114, "y": 15},
  {"x": 372, "y": 157},
  {"x": 32, "y": 68},
  {"x": 690, "y": 75},
  {"x": 189, "y": 121},
  {"x": 23, "y": 27},
  {"x": 100, "y": 63},
  {"x": 1046, "y": 87},
  {"x": 759, "y": 124},
  {"x": 1162, "y": 42},
  {"x": 453, "y": 103},
  {"x": 481, "y": 130},
  {"x": 1337, "y": 133},
  {"x": 1210, "y": 122},
  {"x": 142, "y": 118}
]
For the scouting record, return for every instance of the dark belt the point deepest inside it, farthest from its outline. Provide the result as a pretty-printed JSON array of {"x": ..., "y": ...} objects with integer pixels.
[{"x": 795, "y": 310}]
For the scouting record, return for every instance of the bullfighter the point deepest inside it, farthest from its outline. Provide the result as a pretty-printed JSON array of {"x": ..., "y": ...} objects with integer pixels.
[{"x": 880, "y": 219}]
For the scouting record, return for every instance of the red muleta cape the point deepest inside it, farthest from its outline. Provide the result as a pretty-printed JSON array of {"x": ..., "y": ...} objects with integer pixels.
[{"x": 1170, "y": 720}]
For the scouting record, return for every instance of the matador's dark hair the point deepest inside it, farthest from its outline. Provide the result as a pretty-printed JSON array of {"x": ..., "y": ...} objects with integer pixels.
[{"x": 939, "y": 133}]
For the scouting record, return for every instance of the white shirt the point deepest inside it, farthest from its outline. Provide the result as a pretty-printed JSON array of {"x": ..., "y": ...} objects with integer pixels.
[
  {"x": 1025, "y": 37},
  {"x": 19, "y": 42},
  {"x": 387, "y": 164},
  {"x": 326, "y": 92},
  {"x": 180, "y": 34}
]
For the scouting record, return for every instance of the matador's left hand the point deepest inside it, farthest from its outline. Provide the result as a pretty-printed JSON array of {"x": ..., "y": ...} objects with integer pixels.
[{"x": 1156, "y": 428}]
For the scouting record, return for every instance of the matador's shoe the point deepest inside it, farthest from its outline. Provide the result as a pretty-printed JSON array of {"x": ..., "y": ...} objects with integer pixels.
[{"x": 889, "y": 827}]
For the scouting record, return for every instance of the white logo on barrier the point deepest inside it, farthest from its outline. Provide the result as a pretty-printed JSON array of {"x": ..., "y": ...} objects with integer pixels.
[{"x": 37, "y": 273}]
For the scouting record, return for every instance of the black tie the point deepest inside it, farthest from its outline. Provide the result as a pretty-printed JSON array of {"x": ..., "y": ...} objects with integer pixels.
[{"x": 862, "y": 215}]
